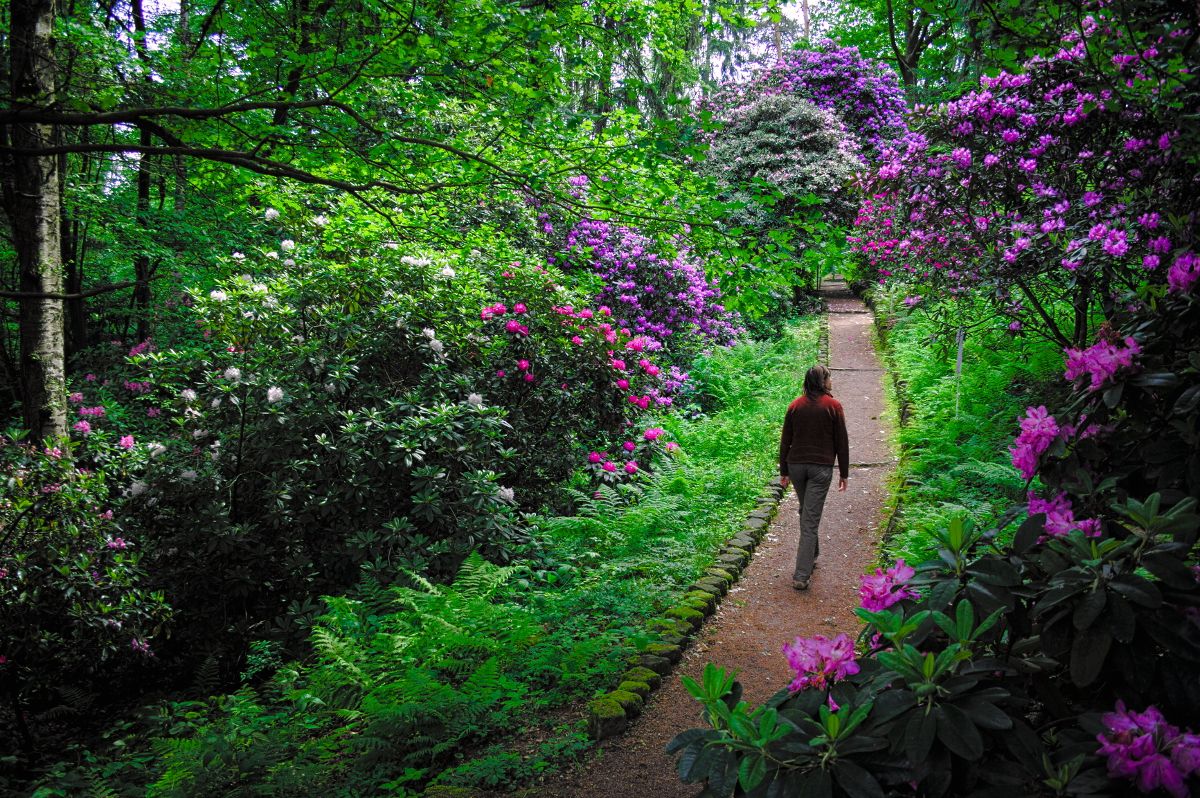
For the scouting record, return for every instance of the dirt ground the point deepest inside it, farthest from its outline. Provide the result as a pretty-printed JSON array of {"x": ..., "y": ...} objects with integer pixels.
[{"x": 762, "y": 611}]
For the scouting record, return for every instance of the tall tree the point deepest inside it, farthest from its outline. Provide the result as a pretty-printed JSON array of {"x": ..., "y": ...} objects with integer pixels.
[{"x": 32, "y": 195}]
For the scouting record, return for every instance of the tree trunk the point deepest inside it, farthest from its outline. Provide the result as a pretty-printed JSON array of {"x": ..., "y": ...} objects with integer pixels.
[
  {"x": 34, "y": 213},
  {"x": 141, "y": 261}
]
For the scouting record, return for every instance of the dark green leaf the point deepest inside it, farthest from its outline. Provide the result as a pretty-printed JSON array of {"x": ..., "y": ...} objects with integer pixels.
[
  {"x": 1089, "y": 608},
  {"x": 1138, "y": 590},
  {"x": 1088, "y": 654},
  {"x": 918, "y": 736},
  {"x": 1170, "y": 570},
  {"x": 1028, "y": 533},
  {"x": 857, "y": 782},
  {"x": 956, "y": 731}
]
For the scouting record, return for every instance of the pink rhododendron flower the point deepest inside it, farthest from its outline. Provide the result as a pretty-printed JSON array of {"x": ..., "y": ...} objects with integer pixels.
[
  {"x": 672, "y": 446},
  {"x": 117, "y": 543},
  {"x": 500, "y": 373},
  {"x": 594, "y": 457},
  {"x": 1038, "y": 431},
  {"x": 629, "y": 446},
  {"x": 1100, "y": 361},
  {"x": 1184, "y": 272},
  {"x": 529, "y": 377},
  {"x": 519, "y": 307},
  {"x": 523, "y": 365},
  {"x": 820, "y": 662},
  {"x": 1142, "y": 746},
  {"x": 609, "y": 465},
  {"x": 75, "y": 398},
  {"x": 623, "y": 384},
  {"x": 82, "y": 427},
  {"x": 653, "y": 434},
  {"x": 631, "y": 467},
  {"x": 882, "y": 589},
  {"x": 1060, "y": 516},
  {"x": 126, "y": 442}
]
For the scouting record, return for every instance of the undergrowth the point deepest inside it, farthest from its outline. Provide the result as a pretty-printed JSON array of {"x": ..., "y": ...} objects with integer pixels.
[
  {"x": 422, "y": 683},
  {"x": 954, "y": 443}
]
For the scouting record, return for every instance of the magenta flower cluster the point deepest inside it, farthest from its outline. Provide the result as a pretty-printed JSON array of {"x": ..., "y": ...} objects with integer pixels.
[
  {"x": 1043, "y": 173},
  {"x": 819, "y": 662},
  {"x": 1154, "y": 754},
  {"x": 662, "y": 301},
  {"x": 1101, "y": 361},
  {"x": 1038, "y": 431},
  {"x": 1060, "y": 516},
  {"x": 882, "y": 589}
]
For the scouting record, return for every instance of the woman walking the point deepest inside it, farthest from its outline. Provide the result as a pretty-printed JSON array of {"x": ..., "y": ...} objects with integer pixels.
[{"x": 814, "y": 436}]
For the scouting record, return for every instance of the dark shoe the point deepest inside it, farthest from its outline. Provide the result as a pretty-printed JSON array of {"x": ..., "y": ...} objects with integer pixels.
[{"x": 800, "y": 584}]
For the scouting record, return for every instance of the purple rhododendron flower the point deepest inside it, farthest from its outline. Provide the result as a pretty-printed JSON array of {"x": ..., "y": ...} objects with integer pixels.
[
  {"x": 885, "y": 588},
  {"x": 1100, "y": 361},
  {"x": 1038, "y": 431},
  {"x": 819, "y": 661},
  {"x": 1142, "y": 746}
]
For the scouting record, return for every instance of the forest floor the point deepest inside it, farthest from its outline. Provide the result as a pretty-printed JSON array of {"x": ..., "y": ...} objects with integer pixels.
[{"x": 762, "y": 611}]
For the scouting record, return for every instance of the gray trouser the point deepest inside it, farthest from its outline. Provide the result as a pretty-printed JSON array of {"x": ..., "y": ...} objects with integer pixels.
[{"x": 812, "y": 484}]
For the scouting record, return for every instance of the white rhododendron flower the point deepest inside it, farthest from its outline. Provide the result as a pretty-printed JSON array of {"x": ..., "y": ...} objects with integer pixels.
[
  {"x": 233, "y": 374},
  {"x": 218, "y": 295},
  {"x": 475, "y": 399},
  {"x": 274, "y": 394},
  {"x": 187, "y": 395},
  {"x": 320, "y": 220},
  {"x": 506, "y": 494},
  {"x": 287, "y": 245},
  {"x": 271, "y": 214}
]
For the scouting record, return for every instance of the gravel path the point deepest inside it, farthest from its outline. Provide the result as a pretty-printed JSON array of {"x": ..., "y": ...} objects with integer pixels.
[{"x": 762, "y": 611}]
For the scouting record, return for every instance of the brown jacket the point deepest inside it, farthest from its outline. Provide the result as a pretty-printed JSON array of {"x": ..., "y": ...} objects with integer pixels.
[{"x": 814, "y": 431}]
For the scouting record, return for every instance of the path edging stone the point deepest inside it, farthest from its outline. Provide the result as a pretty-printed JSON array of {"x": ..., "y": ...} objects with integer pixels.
[{"x": 610, "y": 714}]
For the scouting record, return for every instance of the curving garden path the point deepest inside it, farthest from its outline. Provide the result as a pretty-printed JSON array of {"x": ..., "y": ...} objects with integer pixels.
[{"x": 762, "y": 611}]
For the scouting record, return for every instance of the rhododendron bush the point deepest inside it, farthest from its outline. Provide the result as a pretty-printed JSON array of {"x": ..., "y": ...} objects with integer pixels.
[
  {"x": 787, "y": 145},
  {"x": 75, "y": 605},
  {"x": 1054, "y": 191}
]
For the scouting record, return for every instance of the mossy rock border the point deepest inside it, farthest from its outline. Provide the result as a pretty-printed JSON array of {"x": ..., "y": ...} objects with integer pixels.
[{"x": 610, "y": 714}]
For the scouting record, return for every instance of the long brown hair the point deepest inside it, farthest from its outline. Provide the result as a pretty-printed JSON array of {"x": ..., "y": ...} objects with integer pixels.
[{"x": 815, "y": 380}]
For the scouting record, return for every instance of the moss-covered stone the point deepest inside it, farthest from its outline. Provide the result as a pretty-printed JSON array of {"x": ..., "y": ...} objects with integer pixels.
[
  {"x": 640, "y": 674},
  {"x": 755, "y": 526},
  {"x": 763, "y": 514},
  {"x": 653, "y": 662},
  {"x": 733, "y": 560},
  {"x": 699, "y": 598},
  {"x": 673, "y": 653},
  {"x": 606, "y": 717},
  {"x": 443, "y": 791},
  {"x": 631, "y": 703},
  {"x": 675, "y": 640},
  {"x": 669, "y": 626},
  {"x": 710, "y": 584},
  {"x": 743, "y": 540},
  {"x": 720, "y": 573},
  {"x": 689, "y": 614},
  {"x": 637, "y": 688}
]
